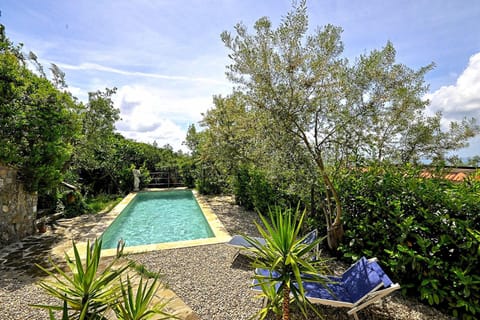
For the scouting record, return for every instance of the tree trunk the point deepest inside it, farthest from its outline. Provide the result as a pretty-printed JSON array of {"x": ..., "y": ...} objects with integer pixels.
[
  {"x": 334, "y": 235},
  {"x": 286, "y": 303},
  {"x": 335, "y": 229}
]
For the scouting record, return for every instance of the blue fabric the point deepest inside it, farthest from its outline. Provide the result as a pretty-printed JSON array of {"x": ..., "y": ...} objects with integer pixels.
[
  {"x": 240, "y": 241},
  {"x": 360, "y": 279},
  {"x": 335, "y": 291},
  {"x": 310, "y": 237},
  {"x": 265, "y": 273},
  {"x": 385, "y": 279}
]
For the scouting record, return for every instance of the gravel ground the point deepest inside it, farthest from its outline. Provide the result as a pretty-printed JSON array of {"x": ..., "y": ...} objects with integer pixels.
[
  {"x": 16, "y": 296},
  {"x": 211, "y": 279}
]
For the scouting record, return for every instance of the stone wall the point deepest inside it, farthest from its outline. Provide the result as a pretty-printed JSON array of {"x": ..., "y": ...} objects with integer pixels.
[{"x": 18, "y": 208}]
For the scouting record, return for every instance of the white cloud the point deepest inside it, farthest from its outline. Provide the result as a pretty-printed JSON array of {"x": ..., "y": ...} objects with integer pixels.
[
  {"x": 151, "y": 114},
  {"x": 97, "y": 67},
  {"x": 463, "y": 98},
  {"x": 460, "y": 100},
  {"x": 163, "y": 132},
  {"x": 78, "y": 92}
]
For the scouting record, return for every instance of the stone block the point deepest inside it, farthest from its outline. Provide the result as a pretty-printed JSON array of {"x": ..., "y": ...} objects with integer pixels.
[
  {"x": 18, "y": 208},
  {"x": 3, "y": 171}
]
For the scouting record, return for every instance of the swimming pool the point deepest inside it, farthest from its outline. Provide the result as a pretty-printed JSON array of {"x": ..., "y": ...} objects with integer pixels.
[{"x": 158, "y": 217}]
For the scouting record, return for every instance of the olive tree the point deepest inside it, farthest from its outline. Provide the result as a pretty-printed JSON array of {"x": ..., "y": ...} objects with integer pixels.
[
  {"x": 305, "y": 99},
  {"x": 298, "y": 81}
]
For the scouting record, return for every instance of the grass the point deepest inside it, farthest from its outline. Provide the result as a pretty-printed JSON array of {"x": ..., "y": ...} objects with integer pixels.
[
  {"x": 103, "y": 202},
  {"x": 143, "y": 271}
]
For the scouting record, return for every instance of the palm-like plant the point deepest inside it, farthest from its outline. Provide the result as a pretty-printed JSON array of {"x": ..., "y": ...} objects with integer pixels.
[
  {"x": 138, "y": 306},
  {"x": 88, "y": 291},
  {"x": 288, "y": 259}
]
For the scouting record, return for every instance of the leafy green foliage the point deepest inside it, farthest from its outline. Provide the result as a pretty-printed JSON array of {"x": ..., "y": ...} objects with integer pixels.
[
  {"x": 102, "y": 201},
  {"x": 288, "y": 259},
  {"x": 88, "y": 290},
  {"x": 75, "y": 204},
  {"x": 38, "y": 122},
  {"x": 187, "y": 170},
  {"x": 210, "y": 180},
  {"x": 300, "y": 108},
  {"x": 253, "y": 191},
  {"x": 424, "y": 229},
  {"x": 109, "y": 170},
  {"x": 138, "y": 305}
]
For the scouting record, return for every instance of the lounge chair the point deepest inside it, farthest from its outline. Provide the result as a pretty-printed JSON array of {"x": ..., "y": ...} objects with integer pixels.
[
  {"x": 240, "y": 242},
  {"x": 361, "y": 285}
]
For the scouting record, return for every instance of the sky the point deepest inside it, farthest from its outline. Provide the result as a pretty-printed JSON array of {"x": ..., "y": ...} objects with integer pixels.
[{"x": 166, "y": 58}]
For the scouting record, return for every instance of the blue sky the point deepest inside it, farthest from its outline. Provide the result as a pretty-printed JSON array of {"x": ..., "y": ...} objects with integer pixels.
[{"x": 167, "y": 60}]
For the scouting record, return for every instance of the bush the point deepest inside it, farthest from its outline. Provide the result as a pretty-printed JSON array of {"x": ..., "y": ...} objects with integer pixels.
[
  {"x": 187, "y": 173},
  {"x": 74, "y": 204},
  {"x": 424, "y": 230},
  {"x": 253, "y": 191},
  {"x": 210, "y": 181},
  {"x": 240, "y": 188},
  {"x": 103, "y": 201},
  {"x": 88, "y": 291}
]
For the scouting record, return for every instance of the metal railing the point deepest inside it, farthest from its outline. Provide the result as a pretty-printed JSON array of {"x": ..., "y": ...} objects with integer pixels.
[{"x": 167, "y": 178}]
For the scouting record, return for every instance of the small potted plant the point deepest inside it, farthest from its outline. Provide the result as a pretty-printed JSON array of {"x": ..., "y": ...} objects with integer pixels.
[{"x": 42, "y": 225}]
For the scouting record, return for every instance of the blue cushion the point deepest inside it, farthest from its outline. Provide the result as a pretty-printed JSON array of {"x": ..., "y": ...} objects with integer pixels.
[
  {"x": 354, "y": 284},
  {"x": 385, "y": 279},
  {"x": 336, "y": 291},
  {"x": 360, "y": 279},
  {"x": 265, "y": 273},
  {"x": 310, "y": 237},
  {"x": 240, "y": 241}
]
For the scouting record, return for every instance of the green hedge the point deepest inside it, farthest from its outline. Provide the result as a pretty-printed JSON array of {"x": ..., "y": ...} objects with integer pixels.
[
  {"x": 252, "y": 189},
  {"x": 210, "y": 180},
  {"x": 424, "y": 230}
]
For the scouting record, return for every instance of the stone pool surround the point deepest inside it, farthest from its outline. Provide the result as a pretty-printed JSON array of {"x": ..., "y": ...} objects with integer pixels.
[{"x": 221, "y": 234}]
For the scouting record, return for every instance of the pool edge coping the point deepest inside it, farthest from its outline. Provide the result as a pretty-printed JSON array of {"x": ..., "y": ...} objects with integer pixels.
[{"x": 221, "y": 234}]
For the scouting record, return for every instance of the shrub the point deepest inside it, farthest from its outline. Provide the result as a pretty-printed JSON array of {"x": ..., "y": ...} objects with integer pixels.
[
  {"x": 103, "y": 202},
  {"x": 425, "y": 230},
  {"x": 88, "y": 292},
  {"x": 240, "y": 187},
  {"x": 137, "y": 305},
  {"x": 288, "y": 259},
  {"x": 210, "y": 181},
  {"x": 74, "y": 204},
  {"x": 252, "y": 189}
]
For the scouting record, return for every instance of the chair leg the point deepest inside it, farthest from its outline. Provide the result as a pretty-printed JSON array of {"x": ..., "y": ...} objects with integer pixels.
[
  {"x": 264, "y": 302},
  {"x": 236, "y": 255},
  {"x": 355, "y": 315}
]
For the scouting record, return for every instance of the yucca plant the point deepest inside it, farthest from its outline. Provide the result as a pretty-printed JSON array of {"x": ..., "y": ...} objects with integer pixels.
[
  {"x": 87, "y": 290},
  {"x": 288, "y": 259},
  {"x": 64, "y": 314},
  {"x": 272, "y": 301},
  {"x": 138, "y": 305}
]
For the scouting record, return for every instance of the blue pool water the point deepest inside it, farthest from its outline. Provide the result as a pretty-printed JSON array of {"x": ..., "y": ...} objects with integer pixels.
[{"x": 156, "y": 217}]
